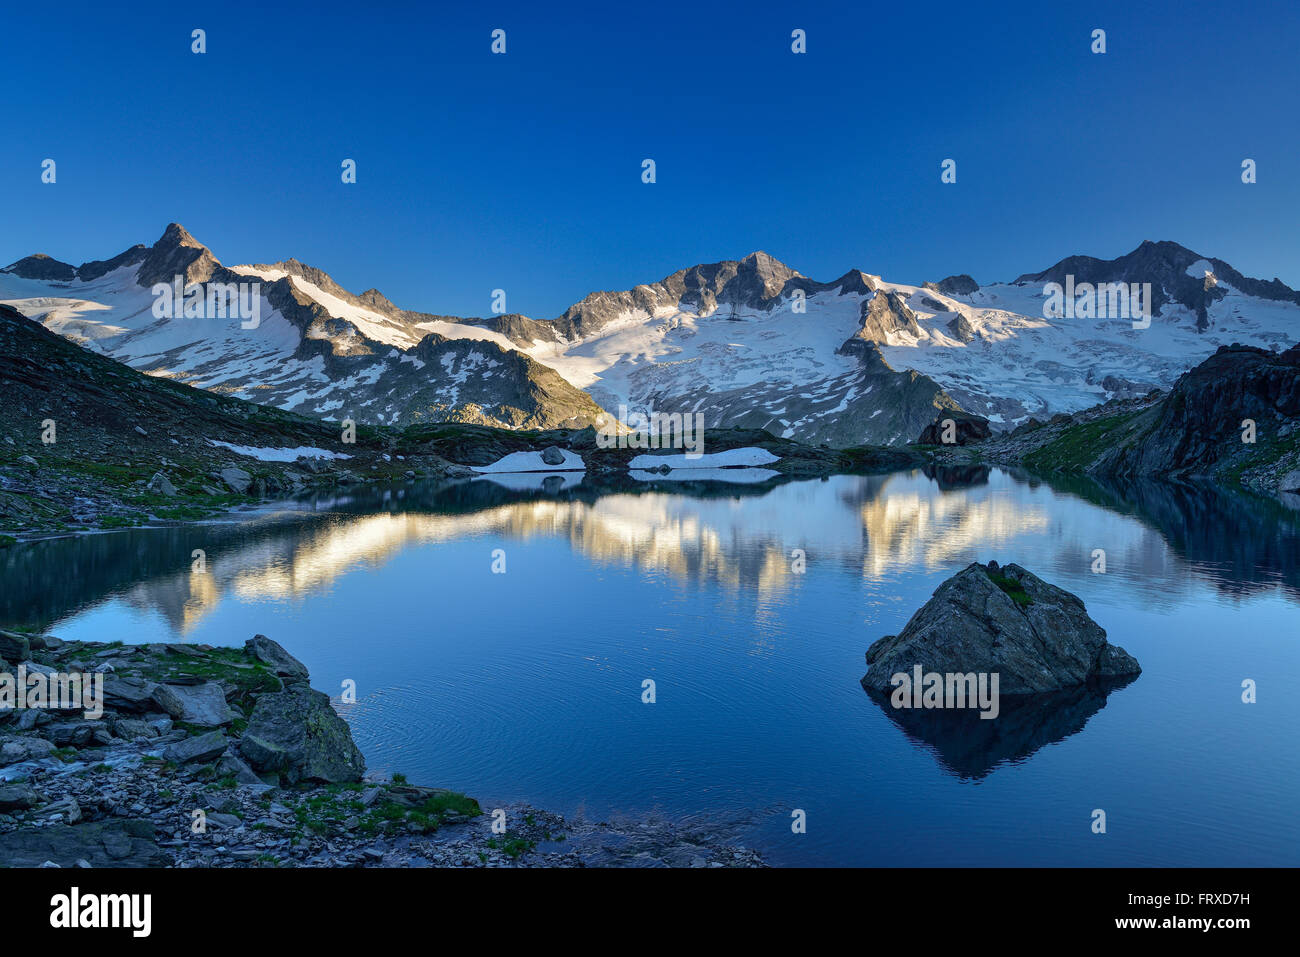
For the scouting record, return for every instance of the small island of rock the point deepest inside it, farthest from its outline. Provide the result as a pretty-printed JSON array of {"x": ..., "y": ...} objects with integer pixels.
[{"x": 1000, "y": 620}]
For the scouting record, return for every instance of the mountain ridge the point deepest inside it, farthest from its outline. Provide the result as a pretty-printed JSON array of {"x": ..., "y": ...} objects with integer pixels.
[{"x": 752, "y": 342}]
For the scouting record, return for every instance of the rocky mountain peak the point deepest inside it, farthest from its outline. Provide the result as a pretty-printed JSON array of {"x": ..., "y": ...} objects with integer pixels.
[
  {"x": 41, "y": 266},
  {"x": 177, "y": 253}
]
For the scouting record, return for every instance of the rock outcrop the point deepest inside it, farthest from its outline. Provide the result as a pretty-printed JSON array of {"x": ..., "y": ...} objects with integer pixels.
[
  {"x": 156, "y": 695},
  {"x": 1202, "y": 421},
  {"x": 296, "y": 735},
  {"x": 1000, "y": 620},
  {"x": 966, "y": 429}
]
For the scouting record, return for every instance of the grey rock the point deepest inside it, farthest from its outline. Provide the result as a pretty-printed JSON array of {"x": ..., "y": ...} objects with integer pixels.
[
  {"x": 1044, "y": 642},
  {"x": 77, "y": 734},
  {"x": 270, "y": 653},
  {"x": 202, "y": 747},
  {"x": 137, "y": 696},
  {"x": 65, "y": 809},
  {"x": 161, "y": 723},
  {"x": 29, "y": 718},
  {"x": 17, "y": 797},
  {"x": 966, "y": 429},
  {"x": 237, "y": 480},
  {"x": 161, "y": 484},
  {"x": 296, "y": 734},
  {"x": 116, "y": 843},
  {"x": 133, "y": 695},
  {"x": 14, "y": 749},
  {"x": 14, "y": 647},
  {"x": 552, "y": 455},
  {"x": 231, "y": 764},
  {"x": 133, "y": 729},
  {"x": 202, "y": 704}
]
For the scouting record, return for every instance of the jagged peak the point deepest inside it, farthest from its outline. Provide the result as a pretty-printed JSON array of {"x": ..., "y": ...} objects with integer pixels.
[
  {"x": 177, "y": 235},
  {"x": 177, "y": 253}
]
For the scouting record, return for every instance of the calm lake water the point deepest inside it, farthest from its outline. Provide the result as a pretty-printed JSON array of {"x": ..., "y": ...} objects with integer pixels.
[{"x": 527, "y": 685}]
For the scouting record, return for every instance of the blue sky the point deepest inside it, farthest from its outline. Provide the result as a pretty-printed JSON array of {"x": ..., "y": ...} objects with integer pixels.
[{"x": 523, "y": 171}]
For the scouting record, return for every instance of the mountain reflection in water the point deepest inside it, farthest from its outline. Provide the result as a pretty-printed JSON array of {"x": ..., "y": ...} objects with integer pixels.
[{"x": 527, "y": 685}]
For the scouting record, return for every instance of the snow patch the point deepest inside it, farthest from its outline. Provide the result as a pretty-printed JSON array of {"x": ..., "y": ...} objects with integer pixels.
[
  {"x": 732, "y": 458},
  {"x": 279, "y": 455},
  {"x": 531, "y": 462}
]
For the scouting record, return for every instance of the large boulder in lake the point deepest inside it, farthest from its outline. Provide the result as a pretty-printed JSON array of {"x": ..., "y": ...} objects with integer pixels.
[{"x": 1000, "y": 620}]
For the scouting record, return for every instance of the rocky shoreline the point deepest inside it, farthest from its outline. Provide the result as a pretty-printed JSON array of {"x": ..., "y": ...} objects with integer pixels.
[{"x": 226, "y": 757}]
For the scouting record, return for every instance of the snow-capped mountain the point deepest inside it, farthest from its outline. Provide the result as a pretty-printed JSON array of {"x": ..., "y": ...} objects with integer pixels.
[
  {"x": 312, "y": 348},
  {"x": 748, "y": 343}
]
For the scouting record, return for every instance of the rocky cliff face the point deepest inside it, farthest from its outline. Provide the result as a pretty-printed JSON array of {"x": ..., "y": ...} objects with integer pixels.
[
  {"x": 1200, "y": 429},
  {"x": 1200, "y": 424}
]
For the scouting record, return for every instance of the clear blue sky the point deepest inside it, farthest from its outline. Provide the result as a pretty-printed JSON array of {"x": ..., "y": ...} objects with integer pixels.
[{"x": 523, "y": 171}]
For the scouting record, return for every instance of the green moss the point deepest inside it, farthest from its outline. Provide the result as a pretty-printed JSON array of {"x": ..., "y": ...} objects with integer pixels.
[
  {"x": 388, "y": 815},
  {"x": 1012, "y": 587},
  {"x": 121, "y": 521},
  {"x": 512, "y": 845}
]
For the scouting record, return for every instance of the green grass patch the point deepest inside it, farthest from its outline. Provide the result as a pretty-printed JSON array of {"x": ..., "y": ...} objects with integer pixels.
[
  {"x": 1012, "y": 587},
  {"x": 122, "y": 521},
  {"x": 1080, "y": 445},
  {"x": 512, "y": 845}
]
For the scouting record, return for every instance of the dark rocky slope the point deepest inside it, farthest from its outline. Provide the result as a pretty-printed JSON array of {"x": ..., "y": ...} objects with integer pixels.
[{"x": 1195, "y": 431}]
